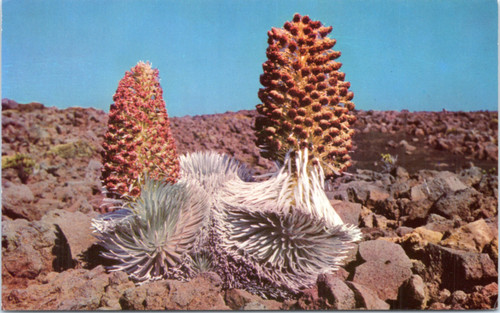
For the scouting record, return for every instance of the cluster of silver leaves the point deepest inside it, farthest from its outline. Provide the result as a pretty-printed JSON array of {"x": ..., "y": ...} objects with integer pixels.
[
  {"x": 152, "y": 236},
  {"x": 271, "y": 236}
]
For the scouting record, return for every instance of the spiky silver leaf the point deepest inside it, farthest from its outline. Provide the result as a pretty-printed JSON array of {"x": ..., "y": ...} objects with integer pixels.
[
  {"x": 202, "y": 261},
  {"x": 166, "y": 223},
  {"x": 107, "y": 222},
  {"x": 212, "y": 170},
  {"x": 289, "y": 249},
  {"x": 301, "y": 188}
]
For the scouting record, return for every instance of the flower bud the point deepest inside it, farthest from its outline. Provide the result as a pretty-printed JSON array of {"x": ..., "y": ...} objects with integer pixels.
[
  {"x": 323, "y": 100},
  {"x": 332, "y": 81},
  {"x": 342, "y": 91},
  {"x": 335, "y": 121},
  {"x": 316, "y": 107},
  {"x": 294, "y": 92},
  {"x": 331, "y": 91},
  {"x": 292, "y": 113},
  {"x": 277, "y": 113},
  {"x": 318, "y": 116},
  {"x": 302, "y": 112},
  {"x": 309, "y": 87},
  {"x": 337, "y": 141},
  {"x": 316, "y": 70},
  {"x": 294, "y": 103},
  {"x": 276, "y": 144},
  {"x": 298, "y": 120},
  {"x": 350, "y": 106},
  {"x": 328, "y": 44},
  {"x": 312, "y": 80},
  {"x": 321, "y": 86},
  {"x": 317, "y": 131},
  {"x": 305, "y": 101},
  {"x": 308, "y": 122},
  {"x": 333, "y": 131},
  {"x": 291, "y": 141},
  {"x": 327, "y": 115},
  {"x": 303, "y": 134},
  {"x": 324, "y": 31},
  {"x": 297, "y": 129},
  {"x": 324, "y": 124},
  {"x": 315, "y": 24},
  {"x": 334, "y": 100},
  {"x": 270, "y": 130},
  {"x": 287, "y": 126}
]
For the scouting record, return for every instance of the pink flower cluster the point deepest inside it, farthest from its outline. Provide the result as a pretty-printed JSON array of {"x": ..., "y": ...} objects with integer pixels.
[{"x": 138, "y": 141}]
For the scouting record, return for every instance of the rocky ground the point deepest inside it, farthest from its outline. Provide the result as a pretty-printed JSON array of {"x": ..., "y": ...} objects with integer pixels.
[{"x": 429, "y": 219}]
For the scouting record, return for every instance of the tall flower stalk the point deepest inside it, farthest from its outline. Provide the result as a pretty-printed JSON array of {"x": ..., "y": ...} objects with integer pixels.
[
  {"x": 306, "y": 102},
  {"x": 138, "y": 140}
]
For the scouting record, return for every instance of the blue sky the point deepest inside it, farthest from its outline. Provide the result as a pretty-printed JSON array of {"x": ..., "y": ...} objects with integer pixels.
[{"x": 397, "y": 54}]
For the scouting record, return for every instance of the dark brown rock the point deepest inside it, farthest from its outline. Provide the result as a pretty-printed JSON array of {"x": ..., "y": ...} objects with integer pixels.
[
  {"x": 382, "y": 250},
  {"x": 17, "y": 201},
  {"x": 472, "y": 268},
  {"x": 349, "y": 212},
  {"x": 76, "y": 229},
  {"x": 385, "y": 269},
  {"x": 337, "y": 294},
  {"x": 456, "y": 203},
  {"x": 70, "y": 290},
  {"x": 197, "y": 294},
  {"x": 367, "y": 298},
  {"x": 413, "y": 294},
  {"x": 238, "y": 299},
  {"x": 484, "y": 298},
  {"x": 28, "y": 249}
]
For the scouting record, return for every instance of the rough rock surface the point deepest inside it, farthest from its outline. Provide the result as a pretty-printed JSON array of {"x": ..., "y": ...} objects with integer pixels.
[
  {"x": 430, "y": 209},
  {"x": 386, "y": 267}
]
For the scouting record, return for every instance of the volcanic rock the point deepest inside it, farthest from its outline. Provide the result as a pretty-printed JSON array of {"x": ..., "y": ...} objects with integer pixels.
[
  {"x": 349, "y": 212},
  {"x": 197, "y": 294},
  {"x": 238, "y": 299},
  {"x": 32, "y": 248},
  {"x": 75, "y": 289},
  {"x": 472, "y": 268},
  {"x": 456, "y": 203},
  {"x": 413, "y": 294},
  {"x": 385, "y": 269},
  {"x": 75, "y": 229},
  {"x": 337, "y": 294},
  {"x": 471, "y": 237},
  {"x": 367, "y": 298}
]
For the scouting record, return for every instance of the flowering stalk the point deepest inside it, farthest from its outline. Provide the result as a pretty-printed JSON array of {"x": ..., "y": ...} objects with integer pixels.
[
  {"x": 305, "y": 100},
  {"x": 138, "y": 139}
]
